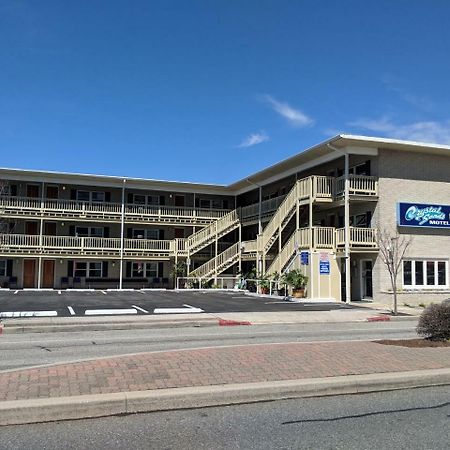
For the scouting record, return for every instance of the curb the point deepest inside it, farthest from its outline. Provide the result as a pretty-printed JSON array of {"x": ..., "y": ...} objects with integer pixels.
[{"x": 100, "y": 405}]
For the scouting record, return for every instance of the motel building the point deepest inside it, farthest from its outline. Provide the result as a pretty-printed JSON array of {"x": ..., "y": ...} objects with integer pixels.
[{"x": 319, "y": 210}]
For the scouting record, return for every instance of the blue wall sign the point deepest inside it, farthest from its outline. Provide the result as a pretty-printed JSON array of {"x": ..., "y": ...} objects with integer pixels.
[
  {"x": 324, "y": 267},
  {"x": 423, "y": 215},
  {"x": 304, "y": 258}
]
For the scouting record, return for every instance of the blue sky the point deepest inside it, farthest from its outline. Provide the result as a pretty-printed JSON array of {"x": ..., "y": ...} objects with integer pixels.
[{"x": 212, "y": 91}]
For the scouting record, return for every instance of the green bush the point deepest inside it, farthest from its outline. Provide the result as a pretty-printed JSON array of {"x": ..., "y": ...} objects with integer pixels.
[{"x": 434, "y": 322}]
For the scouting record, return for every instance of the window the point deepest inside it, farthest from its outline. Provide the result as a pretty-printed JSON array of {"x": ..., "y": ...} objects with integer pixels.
[
  {"x": 151, "y": 270},
  {"x": 2, "y": 268},
  {"x": 95, "y": 269},
  {"x": 205, "y": 204},
  {"x": 89, "y": 231},
  {"x": 94, "y": 196},
  {"x": 139, "y": 199},
  {"x": 80, "y": 269},
  {"x": 137, "y": 270},
  {"x": 138, "y": 234},
  {"x": 152, "y": 234},
  {"x": 153, "y": 199},
  {"x": 423, "y": 274},
  {"x": 91, "y": 269},
  {"x": 98, "y": 196},
  {"x": 83, "y": 196}
]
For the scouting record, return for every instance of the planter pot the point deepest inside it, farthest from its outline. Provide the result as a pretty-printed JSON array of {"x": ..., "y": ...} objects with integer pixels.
[
  {"x": 264, "y": 290},
  {"x": 298, "y": 293}
]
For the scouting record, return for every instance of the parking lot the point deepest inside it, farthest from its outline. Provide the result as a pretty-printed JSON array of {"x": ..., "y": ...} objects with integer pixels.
[{"x": 100, "y": 303}]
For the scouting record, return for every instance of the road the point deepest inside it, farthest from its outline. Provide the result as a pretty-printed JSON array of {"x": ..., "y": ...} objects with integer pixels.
[
  {"x": 408, "y": 419},
  {"x": 30, "y": 349}
]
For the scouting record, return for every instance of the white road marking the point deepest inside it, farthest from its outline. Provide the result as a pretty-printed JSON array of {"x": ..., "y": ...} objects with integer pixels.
[
  {"x": 16, "y": 292},
  {"x": 102, "y": 312},
  {"x": 72, "y": 312},
  {"x": 140, "y": 309},
  {"x": 103, "y": 292},
  {"x": 59, "y": 292},
  {"x": 12, "y": 314},
  {"x": 186, "y": 310}
]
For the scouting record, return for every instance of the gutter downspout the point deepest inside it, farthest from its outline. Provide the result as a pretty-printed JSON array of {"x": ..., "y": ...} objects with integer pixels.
[{"x": 346, "y": 223}]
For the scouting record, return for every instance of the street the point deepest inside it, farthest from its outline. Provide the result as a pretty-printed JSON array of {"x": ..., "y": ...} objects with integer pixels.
[
  {"x": 30, "y": 349},
  {"x": 406, "y": 419}
]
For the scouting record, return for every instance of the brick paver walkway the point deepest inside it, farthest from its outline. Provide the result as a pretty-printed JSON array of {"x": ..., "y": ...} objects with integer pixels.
[{"x": 214, "y": 366}]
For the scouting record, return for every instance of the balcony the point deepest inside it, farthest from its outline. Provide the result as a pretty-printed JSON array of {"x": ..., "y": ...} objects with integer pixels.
[
  {"x": 359, "y": 185},
  {"x": 360, "y": 238},
  {"x": 58, "y": 246},
  {"x": 109, "y": 212}
]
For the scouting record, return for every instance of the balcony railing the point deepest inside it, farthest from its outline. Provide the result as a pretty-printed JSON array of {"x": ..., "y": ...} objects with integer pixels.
[
  {"x": 83, "y": 246},
  {"x": 26, "y": 206},
  {"x": 251, "y": 212},
  {"x": 359, "y": 237},
  {"x": 358, "y": 185}
]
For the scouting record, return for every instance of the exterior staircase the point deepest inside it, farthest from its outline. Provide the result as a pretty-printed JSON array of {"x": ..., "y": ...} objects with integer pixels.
[
  {"x": 210, "y": 233},
  {"x": 218, "y": 264}
]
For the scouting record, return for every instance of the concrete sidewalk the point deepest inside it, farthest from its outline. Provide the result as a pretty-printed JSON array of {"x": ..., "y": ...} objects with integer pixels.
[
  {"x": 213, "y": 376},
  {"x": 49, "y": 324}
]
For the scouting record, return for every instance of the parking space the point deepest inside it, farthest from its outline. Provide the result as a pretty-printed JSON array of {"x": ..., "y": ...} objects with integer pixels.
[{"x": 100, "y": 303}]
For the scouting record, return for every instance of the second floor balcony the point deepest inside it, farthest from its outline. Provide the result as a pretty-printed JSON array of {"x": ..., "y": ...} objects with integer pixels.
[{"x": 106, "y": 211}]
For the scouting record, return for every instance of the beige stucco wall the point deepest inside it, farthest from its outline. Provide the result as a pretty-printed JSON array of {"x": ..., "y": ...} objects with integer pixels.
[{"x": 412, "y": 177}]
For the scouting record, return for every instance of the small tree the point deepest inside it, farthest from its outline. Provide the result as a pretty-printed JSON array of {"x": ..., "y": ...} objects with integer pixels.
[{"x": 392, "y": 247}]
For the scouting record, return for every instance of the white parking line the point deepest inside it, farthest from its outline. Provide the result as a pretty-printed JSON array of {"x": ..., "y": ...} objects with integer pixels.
[
  {"x": 186, "y": 310},
  {"x": 11, "y": 314},
  {"x": 59, "y": 292},
  {"x": 140, "y": 309},
  {"x": 104, "y": 312},
  {"x": 16, "y": 292},
  {"x": 103, "y": 292},
  {"x": 72, "y": 312}
]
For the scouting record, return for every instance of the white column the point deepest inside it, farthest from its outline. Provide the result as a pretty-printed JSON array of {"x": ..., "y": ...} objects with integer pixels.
[
  {"x": 41, "y": 232},
  {"x": 122, "y": 235},
  {"x": 216, "y": 252},
  {"x": 347, "y": 231}
]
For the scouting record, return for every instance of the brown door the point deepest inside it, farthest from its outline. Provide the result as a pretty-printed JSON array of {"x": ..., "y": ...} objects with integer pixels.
[
  {"x": 29, "y": 273},
  {"x": 52, "y": 192},
  {"x": 49, "y": 274},
  {"x": 179, "y": 200},
  {"x": 31, "y": 228},
  {"x": 50, "y": 228},
  {"x": 32, "y": 190}
]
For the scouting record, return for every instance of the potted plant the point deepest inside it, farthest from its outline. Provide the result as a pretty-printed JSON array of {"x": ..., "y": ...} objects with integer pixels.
[
  {"x": 264, "y": 285},
  {"x": 297, "y": 281}
]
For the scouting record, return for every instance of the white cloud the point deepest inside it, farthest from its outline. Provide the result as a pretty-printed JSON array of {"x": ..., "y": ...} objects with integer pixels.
[
  {"x": 254, "y": 139},
  {"x": 293, "y": 116},
  {"x": 437, "y": 132}
]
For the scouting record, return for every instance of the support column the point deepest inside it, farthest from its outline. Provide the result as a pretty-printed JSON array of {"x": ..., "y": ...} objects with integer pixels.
[
  {"x": 347, "y": 232},
  {"x": 216, "y": 253},
  {"x": 240, "y": 248},
  {"x": 122, "y": 235},
  {"x": 41, "y": 232}
]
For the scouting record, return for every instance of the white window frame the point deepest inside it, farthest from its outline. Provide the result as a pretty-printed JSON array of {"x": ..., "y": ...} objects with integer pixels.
[
  {"x": 89, "y": 269},
  {"x": 89, "y": 233},
  {"x": 3, "y": 267},
  {"x": 149, "y": 270},
  {"x": 92, "y": 268},
  {"x": 425, "y": 286},
  {"x": 90, "y": 195}
]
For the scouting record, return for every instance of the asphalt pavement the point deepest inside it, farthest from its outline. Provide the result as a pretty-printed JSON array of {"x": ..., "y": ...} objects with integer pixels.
[
  {"x": 408, "y": 419},
  {"x": 53, "y": 303}
]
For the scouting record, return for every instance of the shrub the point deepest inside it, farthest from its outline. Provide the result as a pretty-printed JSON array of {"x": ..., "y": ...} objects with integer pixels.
[{"x": 434, "y": 322}]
